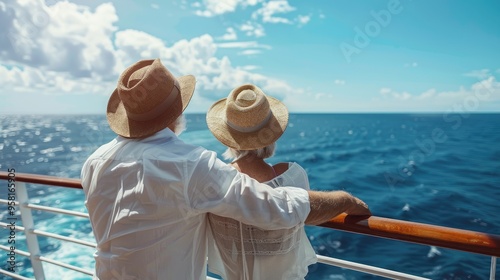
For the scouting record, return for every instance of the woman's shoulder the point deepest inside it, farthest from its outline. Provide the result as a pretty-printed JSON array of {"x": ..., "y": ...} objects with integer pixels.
[
  {"x": 280, "y": 168},
  {"x": 283, "y": 167},
  {"x": 294, "y": 175}
]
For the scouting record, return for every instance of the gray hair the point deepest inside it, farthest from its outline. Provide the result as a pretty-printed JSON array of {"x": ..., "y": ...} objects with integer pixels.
[
  {"x": 179, "y": 125},
  {"x": 234, "y": 154}
]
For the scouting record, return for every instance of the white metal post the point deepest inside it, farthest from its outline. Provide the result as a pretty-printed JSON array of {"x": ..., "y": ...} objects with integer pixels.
[
  {"x": 29, "y": 226},
  {"x": 493, "y": 268}
]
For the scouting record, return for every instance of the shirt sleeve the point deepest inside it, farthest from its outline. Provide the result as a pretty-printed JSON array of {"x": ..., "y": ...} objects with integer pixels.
[
  {"x": 299, "y": 176},
  {"x": 218, "y": 188}
]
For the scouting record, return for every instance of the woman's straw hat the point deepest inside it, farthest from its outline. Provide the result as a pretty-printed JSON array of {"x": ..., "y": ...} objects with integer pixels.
[
  {"x": 247, "y": 119},
  {"x": 148, "y": 98}
]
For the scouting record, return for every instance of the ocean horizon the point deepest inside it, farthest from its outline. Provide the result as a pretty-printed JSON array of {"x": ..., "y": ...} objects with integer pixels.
[{"x": 435, "y": 168}]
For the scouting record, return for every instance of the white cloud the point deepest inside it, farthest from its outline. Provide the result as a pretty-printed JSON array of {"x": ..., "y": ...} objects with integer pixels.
[
  {"x": 31, "y": 80},
  {"x": 230, "y": 35},
  {"x": 321, "y": 98},
  {"x": 217, "y": 7},
  {"x": 250, "y": 67},
  {"x": 479, "y": 95},
  {"x": 478, "y": 74},
  {"x": 66, "y": 54},
  {"x": 388, "y": 93},
  {"x": 217, "y": 77},
  {"x": 253, "y": 29},
  {"x": 427, "y": 94},
  {"x": 211, "y": 8},
  {"x": 133, "y": 45},
  {"x": 155, "y": 6},
  {"x": 59, "y": 37},
  {"x": 303, "y": 20},
  {"x": 339, "y": 82},
  {"x": 385, "y": 91},
  {"x": 197, "y": 57},
  {"x": 403, "y": 96},
  {"x": 246, "y": 44},
  {"x": 319, "y": 95},
  {"x": 488, "y": 86},
  {"x": 251, "y": 2},
  {"x": 249, "y": 52},
  {"x": 270, "y": 9},
  {"x": 269, "y": 12}
]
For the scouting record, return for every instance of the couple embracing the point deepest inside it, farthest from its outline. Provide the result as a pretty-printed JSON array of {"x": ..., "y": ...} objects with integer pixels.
[{"x": 159, "y": 206}]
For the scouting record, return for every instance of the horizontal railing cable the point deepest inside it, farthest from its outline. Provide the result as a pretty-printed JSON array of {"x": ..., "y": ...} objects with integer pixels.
[
  {"x": 6, "y": 225},
  {"x": 17, "y": 251},
  {"x": 57, "y": 210},
  {"x": 65, "y": 265},
  {"x": 5, "y": 201},
  {"x": 373, "y": 270},
  {"x": 53, "y": 235},
  {"x": 14, "y": 275},
  {"x": 65, "y": 238},
  {"x": 50, "y": 209}
]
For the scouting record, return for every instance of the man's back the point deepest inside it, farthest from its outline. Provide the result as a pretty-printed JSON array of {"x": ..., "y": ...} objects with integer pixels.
[{"x": 135, "y": 197}]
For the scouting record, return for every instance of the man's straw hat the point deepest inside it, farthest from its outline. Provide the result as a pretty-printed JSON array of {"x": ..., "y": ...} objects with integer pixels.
[
  {"x": 148, "y": 98},
  {"x": 247, "y": 119}
]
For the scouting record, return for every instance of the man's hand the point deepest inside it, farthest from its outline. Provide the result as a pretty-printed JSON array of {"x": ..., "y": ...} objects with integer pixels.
[
  {"x": 358, "y": 207},
  {"x": 326, "y": 205}
]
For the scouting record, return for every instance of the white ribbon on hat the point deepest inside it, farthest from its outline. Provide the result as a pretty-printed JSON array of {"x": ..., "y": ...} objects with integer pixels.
[
  {"x": 160, "y": 108},
  {"x": 250, "y": 128}
]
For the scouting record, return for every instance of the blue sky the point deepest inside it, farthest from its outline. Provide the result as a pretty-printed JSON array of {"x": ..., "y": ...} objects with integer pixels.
[{"x": 316, "y": 56}]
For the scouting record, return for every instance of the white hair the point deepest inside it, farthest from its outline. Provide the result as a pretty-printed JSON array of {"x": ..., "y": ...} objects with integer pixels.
[
  {"x": 179, "y": 125},
  {"x": 234, "y": 154}
]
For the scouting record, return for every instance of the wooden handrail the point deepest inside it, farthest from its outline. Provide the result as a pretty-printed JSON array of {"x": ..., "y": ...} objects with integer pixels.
[{"x": 458, "y": 239}]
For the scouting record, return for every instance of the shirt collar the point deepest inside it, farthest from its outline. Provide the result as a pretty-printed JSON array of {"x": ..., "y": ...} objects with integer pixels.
[{"x": 165, "y": 133}]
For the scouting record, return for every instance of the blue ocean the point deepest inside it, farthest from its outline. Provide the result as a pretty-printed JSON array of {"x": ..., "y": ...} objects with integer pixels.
[{"x": 440, "y": 169}]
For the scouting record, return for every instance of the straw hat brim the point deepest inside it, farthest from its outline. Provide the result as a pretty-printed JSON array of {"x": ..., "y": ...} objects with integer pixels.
[
  {"x": 122, "y": 125},
  {"x": 270, "y": 133}
]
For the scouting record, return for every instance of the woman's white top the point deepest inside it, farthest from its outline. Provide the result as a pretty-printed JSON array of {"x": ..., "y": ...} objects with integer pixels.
[{"x": 241, "y": 251}]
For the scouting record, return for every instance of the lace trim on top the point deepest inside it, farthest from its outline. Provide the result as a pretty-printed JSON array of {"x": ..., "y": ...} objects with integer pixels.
[{"x": 231, "y": 235}]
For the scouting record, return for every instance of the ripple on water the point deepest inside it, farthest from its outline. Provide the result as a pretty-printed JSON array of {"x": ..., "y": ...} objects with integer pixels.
[
  {"x": 52, "y": 150},
  {"x": 76, "y": 149}
]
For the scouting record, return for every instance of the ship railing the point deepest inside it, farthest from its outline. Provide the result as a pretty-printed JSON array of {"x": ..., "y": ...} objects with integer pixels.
[{"x": 458, "y": 239}]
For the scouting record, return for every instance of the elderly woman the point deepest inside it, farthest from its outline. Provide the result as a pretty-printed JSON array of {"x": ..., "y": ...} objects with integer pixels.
[{"x": 249, "y": 123}]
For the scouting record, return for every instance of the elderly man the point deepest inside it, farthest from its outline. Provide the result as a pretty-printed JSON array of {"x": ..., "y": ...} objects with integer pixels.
[{"x": 148, "y": 193}]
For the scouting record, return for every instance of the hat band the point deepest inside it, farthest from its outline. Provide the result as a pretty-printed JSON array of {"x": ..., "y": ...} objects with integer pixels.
[
  {"x": 250, "y": 128},
  {"x": 159, "y": 109}
]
